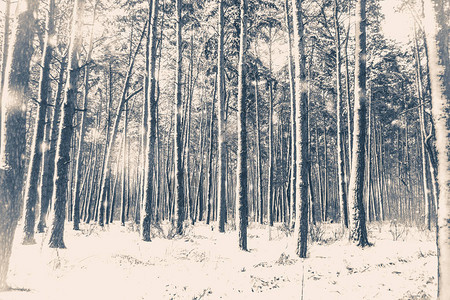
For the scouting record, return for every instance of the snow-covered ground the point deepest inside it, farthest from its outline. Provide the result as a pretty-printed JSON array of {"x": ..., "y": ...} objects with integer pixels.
[{"x": 113, "y": 263}]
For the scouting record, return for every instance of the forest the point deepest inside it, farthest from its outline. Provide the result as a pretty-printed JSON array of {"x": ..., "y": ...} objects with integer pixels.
[{"x": 234, "y": 149}]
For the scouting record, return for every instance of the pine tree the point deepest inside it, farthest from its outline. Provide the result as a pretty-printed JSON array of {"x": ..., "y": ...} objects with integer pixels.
[{"x": 13, "y": 129}]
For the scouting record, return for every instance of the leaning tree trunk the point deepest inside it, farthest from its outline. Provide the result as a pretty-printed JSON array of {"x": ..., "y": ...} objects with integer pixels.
[
  {"x": 241, "y": 189},
  {"x": 31, "y": 189},
  {"x": 13, "y": 130},
  {"x": 222, "y": 161},
  {"x": 341, "y": 167},
  {"x": 107, "y": 159},
  {"x": 301, "y": 99},
  {"x": 358, "y": 232},
  {"x": 437, "y": 41},
  {"x": 146, "y": 211},
  {"x": 66, "y": 131}
]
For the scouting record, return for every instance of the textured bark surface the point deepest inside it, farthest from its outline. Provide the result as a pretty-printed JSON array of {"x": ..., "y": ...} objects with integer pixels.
[
  {"x": 437, "y": 41},
  {"x": 301, "y": 99},
  {"x": 179, "y": 188},
  {"x": 146, "y": 211},
  {"x": 62, "y": 161},
  {"x": 31, "y": 189},
  {"x": 222, "y": 161},
  {"x": 50, "y": 155},
  {"x": 5, "y": 47},
  {"x": 293, "y": 180},
  {"x": 357, "y": 218},
  {"x": 241, "y": 189},
  {"x": 341, "y": 180},
  {"x": 13, "y": 130}
]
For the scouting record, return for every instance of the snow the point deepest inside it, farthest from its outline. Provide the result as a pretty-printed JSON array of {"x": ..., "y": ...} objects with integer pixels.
[{"x": 112, "y": 263}]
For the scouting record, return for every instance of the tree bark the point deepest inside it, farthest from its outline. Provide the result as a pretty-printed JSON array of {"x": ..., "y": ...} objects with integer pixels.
[
  {"x": 341, "y": 168},
  {"x": 13, "y": 129},
  {"x": 358, "y": 231},
  {"x": 301, "y": 99},
  {"x": 5, "y": 47},
  {"x": 146, "y": 211},
  {"x": 31, "y": 189},
  {"x": 241, "y": 189},
  {"x": 270, "y": 188},
  {"x": 258, "y": 143},
  {"x": 437, "y": 42},
  {"x": 65, "y": 131},
  {"x": 179, "y": 188},
  {"x": 50, "y": 155},
  {"x": 222, "y": 146},
  {"x": 293, "y": 184}
]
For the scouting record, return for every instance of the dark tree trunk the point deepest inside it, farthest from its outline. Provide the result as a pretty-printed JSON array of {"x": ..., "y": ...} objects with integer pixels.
[
  {"x": 146, "y": 210},
  {"x": 179, "y": 188},
  {"x": 50, "y": 155},
  {"x": 301, "y": 99},
  {"x": 31, "y": 189},
  {"x": 5, "y": 47},
  {"x": 66, "y": 131},
  {"x": 13, "y": 130},
  {"x": 241, "y": 189},
  {"x": 222, "y": 146},
  {"x": 358, "y": 232},
  {"x": 341, "y": 167}
]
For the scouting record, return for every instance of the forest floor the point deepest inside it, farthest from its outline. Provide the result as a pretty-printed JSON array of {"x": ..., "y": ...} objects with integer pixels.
[{"x": 112, "y": 263}]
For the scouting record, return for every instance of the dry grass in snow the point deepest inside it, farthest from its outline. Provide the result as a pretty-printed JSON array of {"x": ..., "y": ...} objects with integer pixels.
[{"x": 113, "y": 263}]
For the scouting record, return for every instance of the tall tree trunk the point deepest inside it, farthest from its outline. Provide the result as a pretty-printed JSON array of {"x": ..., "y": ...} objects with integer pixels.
[
  {"x": 146, "y": 211},
  {"x": 270, "y": 188},
  {"x": 258, "y": 143},
  {"x": 50, "y": 155},
  {"x": 210, "y": 159},
  {"x": 123, "y": 195},
  {"x": 301, "y": 99},
  {"x": 358, "y": 231},
  {"x": 222, "y": 146},
  {"x": 31, "y": 189},
  {"x": 5, "y": 47},
  {"x": 420, "y": 95},
  {"x": 437, "y": 42},
  {"x": 78, "y": 161},
  {"x": 179, "y": 189},
  {"x": 347, "y": 89},
  {"x": 319, "y": 174},
  {"x": 241, "y": 188},
  {"x": 13, "y": 130},
  {"x": 369, "y": 199},
  {"x": 66, "y": 131},
  {"x": 293, "y": 184},
  {"x": 325, "y": 181},
  {"x": 341, "y": 168}
]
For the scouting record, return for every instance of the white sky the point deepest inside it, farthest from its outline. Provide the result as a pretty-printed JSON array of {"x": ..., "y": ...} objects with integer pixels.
[{"x": 397, "y": 26}]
